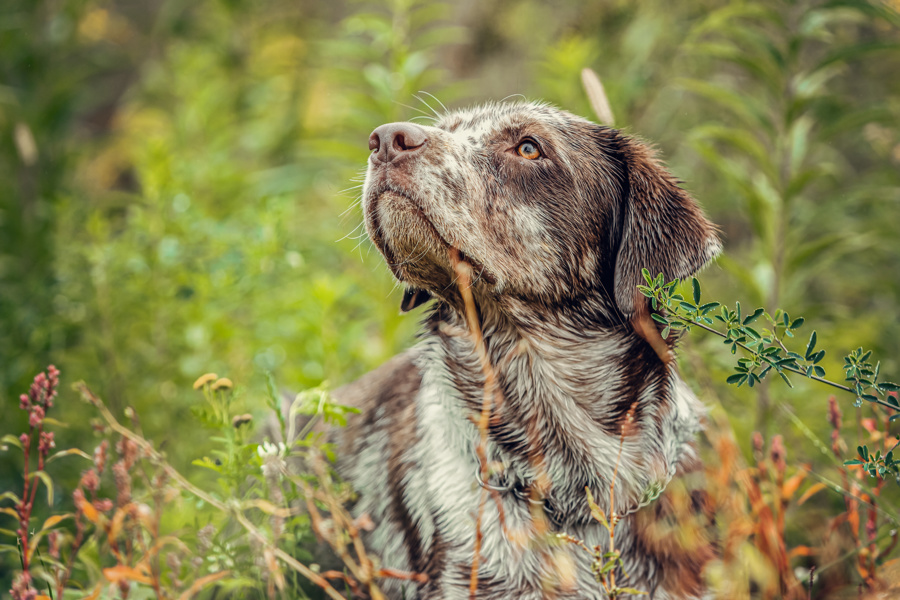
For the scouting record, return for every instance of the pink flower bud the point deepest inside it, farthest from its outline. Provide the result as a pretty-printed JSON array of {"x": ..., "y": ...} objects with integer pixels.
[
  {"x": 100, "y": 456},
  {"x": 778, "y": 453},
  {"x": 834, "y": 413},
  {"x": 37, "y": 416},
  {"x": 90, "y": 480},
  {"x": 47, "y": 442},
  {"x": 103, "y": 504},
  {"x": 758, "y": 442}
]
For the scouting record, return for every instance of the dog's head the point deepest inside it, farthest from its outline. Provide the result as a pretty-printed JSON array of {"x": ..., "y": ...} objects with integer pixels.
[{"x": 546, "y": 206}]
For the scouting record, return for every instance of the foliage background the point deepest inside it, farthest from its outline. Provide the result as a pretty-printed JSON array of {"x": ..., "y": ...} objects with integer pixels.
[{"x": 177, "y": 182}]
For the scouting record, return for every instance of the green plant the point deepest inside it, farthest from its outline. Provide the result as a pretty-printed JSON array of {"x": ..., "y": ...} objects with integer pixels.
[
  {"x": 769, "y": 354},
  {"x": 786, "y": 120}
]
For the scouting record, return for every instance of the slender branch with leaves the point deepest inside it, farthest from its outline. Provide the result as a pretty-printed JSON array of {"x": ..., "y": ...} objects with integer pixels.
[{"x": 767, "y": 352}]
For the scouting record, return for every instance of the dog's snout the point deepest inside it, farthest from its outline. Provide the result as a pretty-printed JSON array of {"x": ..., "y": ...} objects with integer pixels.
[{"x": 393, "y": 140}]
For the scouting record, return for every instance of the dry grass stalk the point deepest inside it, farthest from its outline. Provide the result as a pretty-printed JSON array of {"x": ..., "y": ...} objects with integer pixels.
[
  {"x": 597, "y": 97},
  {"x": 613, "y": 517},
  {"x": 464, "y": 277},
  {"x": 493, "y": 398}
]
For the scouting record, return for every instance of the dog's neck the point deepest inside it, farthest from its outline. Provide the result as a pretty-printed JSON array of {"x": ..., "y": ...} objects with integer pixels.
[{"x": 565, "y": 390}]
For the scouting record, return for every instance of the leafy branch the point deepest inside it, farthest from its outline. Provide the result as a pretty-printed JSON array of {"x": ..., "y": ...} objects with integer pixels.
[{"x": 762, "y": 336}]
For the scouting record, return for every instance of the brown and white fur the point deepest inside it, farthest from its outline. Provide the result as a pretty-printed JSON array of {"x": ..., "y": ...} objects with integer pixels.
[{"x": 557, "y": 245}]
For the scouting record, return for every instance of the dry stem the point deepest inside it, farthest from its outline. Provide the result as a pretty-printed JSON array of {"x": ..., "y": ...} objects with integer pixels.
[{"x": 492, "y": 396}]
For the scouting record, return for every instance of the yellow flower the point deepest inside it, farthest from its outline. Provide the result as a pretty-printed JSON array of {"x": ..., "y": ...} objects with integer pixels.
[
  {"x": 204, "y": 379},
  {"x": 223, "y": 383},
  {"x": 241, "y": 420}
]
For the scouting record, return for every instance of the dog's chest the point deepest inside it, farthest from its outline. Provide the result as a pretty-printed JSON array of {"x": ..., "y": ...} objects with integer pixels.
[{"x": 417, "y": 470}]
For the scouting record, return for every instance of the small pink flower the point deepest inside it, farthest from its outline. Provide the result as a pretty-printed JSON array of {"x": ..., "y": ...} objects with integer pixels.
[
  {"x": 103, "y": 504},
  {"x": 834, "y": 413},
  {"x": 90, "y": 480},
  {"x": 47, "y": 442},
  {"x": 778, "y": 453},
  {"x": 757, "y": 440},
  {"x": 37, "y": 416},
  {"x": 100, "y": 456}
]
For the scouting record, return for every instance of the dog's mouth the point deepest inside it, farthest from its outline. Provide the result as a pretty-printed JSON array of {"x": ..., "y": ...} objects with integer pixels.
[{"x": 413, "y": 264}]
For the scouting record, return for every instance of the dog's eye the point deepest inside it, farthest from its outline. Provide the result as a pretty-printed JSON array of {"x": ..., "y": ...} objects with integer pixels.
[{"x": 529, "y": 150}]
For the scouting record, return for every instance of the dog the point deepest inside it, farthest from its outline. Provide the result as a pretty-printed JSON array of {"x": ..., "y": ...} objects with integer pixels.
[{"x": 556, "y": 217}]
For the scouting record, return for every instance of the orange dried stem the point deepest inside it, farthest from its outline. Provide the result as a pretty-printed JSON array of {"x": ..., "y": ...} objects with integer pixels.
[
  {"x": 404, "y": 575},
  {"x": 645, "y": 328},
  {"x": 492, "y": 396},
  {"x": 473, "y": 578}
]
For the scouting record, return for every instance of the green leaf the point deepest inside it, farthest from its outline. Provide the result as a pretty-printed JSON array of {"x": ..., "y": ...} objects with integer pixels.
[
  {"x": 740, "y": 105},
  {"x": 784, "y": 377},
  {"x": 695, "y": 285},
  {"x": 887, "y": 386},
  {"x": 70, "y": 452},
  {"x": 756, "y": 314},
  {"x": 48, "y": 483},
  {"x": 659, "y": 319},
  {"x": 11, "y": 439},
  {"x": 10, "y": 496},
  {"x": 708, "y": 307},
  {"x": 596, "y": 513},
  {"x": 853, "y": 52},
  {"x": 796, "y": 323},
  {"x": 811, "y": 345}
]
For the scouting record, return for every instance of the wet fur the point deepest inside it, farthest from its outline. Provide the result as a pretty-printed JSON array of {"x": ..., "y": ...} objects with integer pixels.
[{"x": 557, "y": 245}]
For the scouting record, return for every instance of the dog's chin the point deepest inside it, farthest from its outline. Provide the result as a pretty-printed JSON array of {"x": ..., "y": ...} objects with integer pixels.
[{"x": 416, "y": 252}]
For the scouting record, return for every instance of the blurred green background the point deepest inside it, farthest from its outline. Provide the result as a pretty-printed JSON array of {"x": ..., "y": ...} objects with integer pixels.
[{"x": 178, "y": 181}]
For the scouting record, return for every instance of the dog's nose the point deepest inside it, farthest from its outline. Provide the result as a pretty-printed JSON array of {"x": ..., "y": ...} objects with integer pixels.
[{"x": 395, "y": 140}]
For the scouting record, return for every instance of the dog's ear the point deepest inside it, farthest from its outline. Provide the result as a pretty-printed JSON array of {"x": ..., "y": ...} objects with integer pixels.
[{"x": 663, "y": 229}]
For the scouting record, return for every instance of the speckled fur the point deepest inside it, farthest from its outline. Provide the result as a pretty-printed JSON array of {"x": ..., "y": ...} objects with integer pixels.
[{"x": 558, "y": 244}]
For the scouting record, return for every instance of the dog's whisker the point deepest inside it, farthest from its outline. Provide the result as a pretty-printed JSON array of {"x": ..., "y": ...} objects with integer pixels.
[
  {"x": 522, "y": 96},
  {"x": 436, "y": 100},
  {"x": 351, "y": 207},
  {"x": 349, "y": 234},
  {"x": 419, "y": 98},
  {"x": 425, "y": 114}
]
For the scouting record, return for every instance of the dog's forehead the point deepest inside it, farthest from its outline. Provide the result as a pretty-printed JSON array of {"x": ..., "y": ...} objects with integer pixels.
[{"x": 487, "y": 121}]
